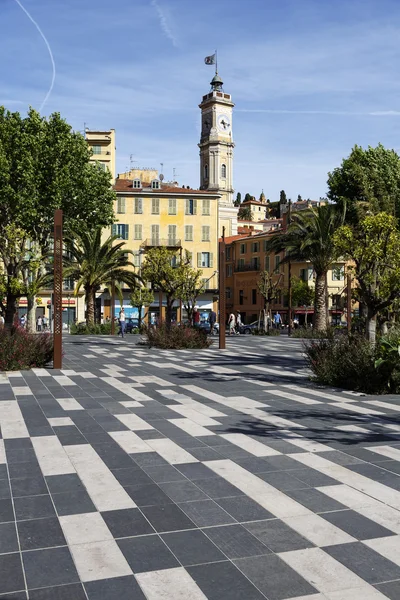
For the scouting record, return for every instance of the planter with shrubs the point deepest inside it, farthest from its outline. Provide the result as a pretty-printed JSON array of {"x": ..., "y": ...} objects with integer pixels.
[
  {"x": 22, "y": 350},
  {"x": 176, "y": 337},
  {"x": 84, "y": 329}
]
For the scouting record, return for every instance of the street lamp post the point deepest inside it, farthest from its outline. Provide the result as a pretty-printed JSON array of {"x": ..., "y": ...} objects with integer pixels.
[
  {"x": 57, "y": 295},
  {"x": 68, "y": 298},
  {"x": 222, "y": 294}
]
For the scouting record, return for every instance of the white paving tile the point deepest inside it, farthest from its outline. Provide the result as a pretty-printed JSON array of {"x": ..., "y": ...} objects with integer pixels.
[
  {"x": 103, "y": 488},
  {"x": 169, "y": 584},
  {"x": 131, "y": 404},
  {"x": 130, "y": 442},
  {"x": 134, "y": 422},
  {"x": 360, "y": 593},
  {"x": 381, "y": 404},
  {"x": 172, "y": 453},
  {"x": 191, "y": 428},
  {"x": 12, "y": 421},
  {"x": 358, "y": 409},
  {"x": 389, "y": 547},
  {"x": 69, "y": 404},
  {"x": 352, "y": 429},
  {"x": 41, "y": 372},
  {"x": 326, "y": 574},
  {"x": 322, "y": 394},
  {"x": 22, "y": 390},
  {"x": 290, "y": 396},
  {"x": 250, "y": 445},
  {"x": 278, "y": 422},
  {"x": 319, "y": 531},
  {"x": 51, "y": 456},
  {"x": 193, "y": 415},
  {"x": 388, "y": 451},
  {"x": 60, "y": 421},
  {"x": 99, "y": 560},
  {"x": 63, "y": 380},
  {"x": 2, "y": 453},
  {"x": 151, "y": 379},
  {"x": 85, "y": 528},
  {"x": 275, "y": 372}
]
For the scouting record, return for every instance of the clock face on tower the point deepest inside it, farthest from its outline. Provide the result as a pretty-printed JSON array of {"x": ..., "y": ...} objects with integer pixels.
[{"x": 223, "y": 123}]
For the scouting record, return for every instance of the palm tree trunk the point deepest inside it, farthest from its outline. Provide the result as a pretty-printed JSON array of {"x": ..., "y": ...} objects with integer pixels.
[
  {"x": 371, "y": 326},
  {"x": 11, "y": 310},
  {"x": 31, "y": 314},
  {"x": 320, "y": 313},
  {"x": 89, "y": 297}
]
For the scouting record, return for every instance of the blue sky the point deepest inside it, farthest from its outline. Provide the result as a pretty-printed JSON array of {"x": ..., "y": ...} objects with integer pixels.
[{"x": 309, "y": 78}]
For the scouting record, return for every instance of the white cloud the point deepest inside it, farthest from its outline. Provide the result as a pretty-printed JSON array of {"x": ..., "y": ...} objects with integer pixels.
[{"x": 165, "y": 22}]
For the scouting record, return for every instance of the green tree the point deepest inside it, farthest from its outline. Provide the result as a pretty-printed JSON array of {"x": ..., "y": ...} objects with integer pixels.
[
  {"x": 367, "y": 180},
  {"x": 244, "y": 213},
  {"x": 309, "y": 237},
  {"x": 282, "y": 197},
  {"x": 374, "y": 247},
  {"x": 94, "y": 264},
  {"x": 238, "y": 199},
  {"x": 269, "y": 286},
  {"x": 302, "y": 293},
  {"x": 167, "y": 274},
  {"x": 44, "y": 166},
  {"x": 299, "y": 198},
  {"x": 247, "y": 197},
  {"x": 192, "y": 288},
  {"x": 141, "y": 297}
]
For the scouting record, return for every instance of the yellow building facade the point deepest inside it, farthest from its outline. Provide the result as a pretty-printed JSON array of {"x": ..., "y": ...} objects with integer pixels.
[{"x": 102, "y": 145}]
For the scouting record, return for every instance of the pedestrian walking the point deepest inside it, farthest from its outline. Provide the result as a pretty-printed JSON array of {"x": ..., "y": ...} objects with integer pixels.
[
  {"x": 44, "y": 323},
  {"x": 196, "y": 317},
  {"x": 232, "y": 324},
  {"x": 277, "y": 320},
  {"x": 122, "y": 321},
  {"x": 238, "y": 322},
  {"x": 212, "y": 320},
  {"x": 22, "y": 321},
  {"x": 39, "y": 323},
  {"x": 1, "y": 321}
]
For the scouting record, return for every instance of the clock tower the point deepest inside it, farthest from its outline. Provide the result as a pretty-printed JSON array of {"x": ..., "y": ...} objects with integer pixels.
[{"x": 216, "y": 151}]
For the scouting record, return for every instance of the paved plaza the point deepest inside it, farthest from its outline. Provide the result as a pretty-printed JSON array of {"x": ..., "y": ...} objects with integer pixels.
[{"x": 138, "y": 474}]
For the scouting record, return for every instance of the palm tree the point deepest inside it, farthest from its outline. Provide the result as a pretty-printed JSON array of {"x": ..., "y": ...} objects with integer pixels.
[
  {"x": 309, "y": 237},
  {"x": 93, "y": 264}
]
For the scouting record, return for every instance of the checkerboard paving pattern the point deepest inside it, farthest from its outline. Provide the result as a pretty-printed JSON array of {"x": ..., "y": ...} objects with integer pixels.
[{"x": 175, "y": 475}]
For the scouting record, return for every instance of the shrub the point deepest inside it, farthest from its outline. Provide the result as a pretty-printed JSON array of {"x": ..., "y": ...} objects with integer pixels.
[
  {"x": 83, "y": 329},
  {"x": 22, "y": 350},
  {"x": 387, "y": 360},
  {"x": 310, "y": 333},
  {"x": 176, "y": 337},
  {"x": 347, "y": 362}
]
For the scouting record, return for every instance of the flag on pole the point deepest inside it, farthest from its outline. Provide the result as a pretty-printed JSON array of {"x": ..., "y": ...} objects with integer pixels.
[{"x": 210, "y": 60}]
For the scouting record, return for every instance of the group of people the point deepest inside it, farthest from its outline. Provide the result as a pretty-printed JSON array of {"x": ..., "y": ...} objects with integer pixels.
[
  {"x": 41, "y": 323},
  {"x": 234, "y": 323}
]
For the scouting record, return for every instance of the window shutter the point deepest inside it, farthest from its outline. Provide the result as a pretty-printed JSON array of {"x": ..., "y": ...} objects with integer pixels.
[
  {"x": 186, "y": 207},
  {"x": 126, "y": 232},
  {"x": 121, "y": 205},
  {"x": 199, "y": 259},
  {"x": 211, "y": 260},
  {"x": 172, "y": 206},
  {"x": 113, "y": 229},
  {"x": 190, "y": 257},
  {"x": 195, "y": 207},
  {"x": 206, "y": 207}
]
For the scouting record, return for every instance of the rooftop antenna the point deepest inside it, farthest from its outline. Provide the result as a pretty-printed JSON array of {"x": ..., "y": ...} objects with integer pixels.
[{"x": 131, "y": 161}]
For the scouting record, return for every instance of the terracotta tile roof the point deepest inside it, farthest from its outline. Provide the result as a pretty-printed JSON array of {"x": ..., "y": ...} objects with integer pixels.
[
  {"x": 232, "y": 238},
  {"x": 126, "y": 185},
  {"x": 255, "y": 202}
]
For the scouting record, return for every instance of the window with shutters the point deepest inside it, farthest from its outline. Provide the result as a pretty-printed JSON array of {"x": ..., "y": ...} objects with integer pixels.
[
  {"x": 121, "y": 230},
  {"x": 266, "y": 263},
  {"x": 189, "y": 258},
  {"x": 155, "y": 206},
  {"x": 255, "y": 247},
  {"x": 228, "y": 253},
  {"x": 265, "y": 245},
  {"x": 136, "y": 259},
  {"x": 223, "y": 171},
  {"x": 188, "y": 233},
  {"x": 337, "y": 272},
  {"x": 138, "y": 206},
  {"x": 241, "y": 297},
  {"x": 190, "y": 207},
  {"x": 172, "y": 206},
  {"x": 241, "y": 264},
  {"x": 121, "y": 206},
  {"x": 242, "y": 248},
  {"x": 277, "y": 263},
  {"x": 206, "y": 207},
  {"x": 205, "y": 233},
  {"x": 155, "y": 234},
  {"x": 255, "y": 261},
  {"x": 96, "y": 149},
  {"x": 228, "y": 293},
  {"x": 229, "y": 270},
  {"x": 254, "y": 296},
  {"x": 172, "y": 235},
  {"x": 138, "y": 232},
  {"x": 155, "y": 184},
  {"x": 205, "y": 283},
  {"x": 205, "y": 259},
  {"x": 137, "y": 184}
]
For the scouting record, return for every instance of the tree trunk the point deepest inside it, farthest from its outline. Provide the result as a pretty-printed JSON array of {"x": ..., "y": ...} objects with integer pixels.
[
  {"x": 168, "y": 313},
  {"x": 371, "y": 326},
  {"x": 31, "y": 314},
  {"x": 11, "y": 310},
  {"x": 320, "y": 303},
  {"x": 89, "y": 298},
  {"x": 139, "y": 317}
]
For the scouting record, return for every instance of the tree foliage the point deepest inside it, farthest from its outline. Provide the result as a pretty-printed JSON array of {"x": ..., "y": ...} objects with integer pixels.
[
  {"x": 140, "y": 297},
  {"x": 282, "y": 197},
  {"x": 245, "y": 214},
  {"x": 374, "y": 247},
  {"x": 367, "y": 180},
  {"x": 238, "y": 199},
  {"x": 302, "y": 293},
  {"x": 247, "y": 197},
  {"x": 269, "y": 286},
  {"x": 192, "y": 288},
  {"x": 94, "y": 264}
]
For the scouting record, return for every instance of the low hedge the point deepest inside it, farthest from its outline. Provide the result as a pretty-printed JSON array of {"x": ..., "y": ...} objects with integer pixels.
[
  {"x": 83, "y": 329},
  {"x": 176, "y": 337},
  {"x": 22, "y": 350}
]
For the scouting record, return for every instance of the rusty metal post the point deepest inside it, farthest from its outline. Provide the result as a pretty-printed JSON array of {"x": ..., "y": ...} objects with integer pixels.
[
  {"x": 57, "y": 296},
  {"x": 112, "y": 307},
  {"x": 348, "y": 303},
  {"x": 289, "y": 280},
  {"x": 222, "y": 291},
  {"x": 160, "y": 299}
]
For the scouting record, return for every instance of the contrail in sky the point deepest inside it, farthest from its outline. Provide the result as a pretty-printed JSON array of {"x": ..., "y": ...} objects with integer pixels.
[
  {"x": 164, "y": 23},
  {"x": 49, "y": 50}
]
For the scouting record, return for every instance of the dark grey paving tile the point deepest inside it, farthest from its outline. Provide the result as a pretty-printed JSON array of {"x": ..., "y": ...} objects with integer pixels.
[
  {"x": 192, "y": 547},
  {"x": 365, "y": 562},
  {"x": 223, "y": 581},
  {"x": 72, "y": 591},
  {"x": 232, "y": 451},
  {"x": 50, "y": 567},
  {"x": 64, "y": 483},
  {"x": 205, "y": 453},
  {"x": 255, "y": 465},
  {"x": 391, "y": 465},
  {"x": 272, "y": 576},
  {"x": 235, "y": 541},
  {"x": 168, "y": 517},
  {"x": 132, "y": 476},
  {"x": 72, "y": 503},
  {"x": 278, "y": 536},
  {"x": 315, "y": 500},
  {"x": 20, "y": 455},
  {"x": 164, "y": 473},
  {"x": 3, "y": 472},
  {"x": 194, "y": 471},
  {"x": 206, "y": 513},
  {"x": 8, "y": 538},
  {"x": 280, "y": 445},
  {"x": 33, "y": 507},
  {"x": 313, "y": 478},
  {"x": 147, "y": 553},
  {"x": 243, "y": 508},
  {"x": 117, "y": 588},
  {"x": 150, "y": 434},
  {"x": 28, "y": 486},
  {"x": 5, "y": 491},
  {"x": 356, "y": 525},
  {"x": 40, "y": 533},
  {"x": 148, "y": 459},
  {"x": 126, "y": 523},
  {"x": 213, "y": 440},
  {"x": 11, "y": 576},
  {"x": 340, "y": 458},
  {"x": 376, "y": 473},
  {"x": 391, "y": 589},
  {"x": 148, "y": 495},
  {"x": 282, "y": 463},
  {"x": 282, "y": 480},
  {"x": 14, "y": 596},
  {"x": 25, "y": 469},
  {"x": 183, "y": 491},
  {"x": 218, "y": 488}
]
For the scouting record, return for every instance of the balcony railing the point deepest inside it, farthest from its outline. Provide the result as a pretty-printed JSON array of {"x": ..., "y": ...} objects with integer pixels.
[
  {"x": 240, "y": 267},
  {"x": 167, "y": 242}
]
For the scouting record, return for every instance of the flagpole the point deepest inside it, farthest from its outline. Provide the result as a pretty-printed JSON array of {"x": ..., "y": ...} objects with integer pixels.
[{"x": 216, "y": 63}]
